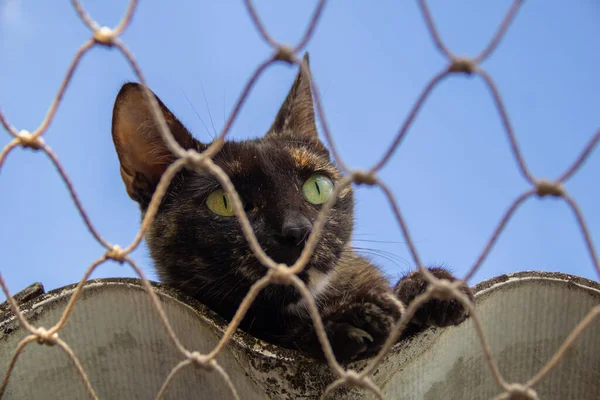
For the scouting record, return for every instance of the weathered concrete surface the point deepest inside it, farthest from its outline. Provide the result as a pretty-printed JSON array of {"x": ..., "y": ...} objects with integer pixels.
[{"x": 121, "y": 343}]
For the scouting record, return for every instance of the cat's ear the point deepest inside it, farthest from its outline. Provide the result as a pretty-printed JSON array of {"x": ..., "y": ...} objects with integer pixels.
[
  {"x": 297, "y": 114},
  {"x": 143, "y": 154}
]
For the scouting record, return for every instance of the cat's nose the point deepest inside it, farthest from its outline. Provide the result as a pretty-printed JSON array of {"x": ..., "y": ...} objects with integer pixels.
[{"x": 296, "y": 229}]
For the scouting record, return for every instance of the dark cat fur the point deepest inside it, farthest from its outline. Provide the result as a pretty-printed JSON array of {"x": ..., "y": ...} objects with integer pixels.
[{"x": 206, "y": 255}]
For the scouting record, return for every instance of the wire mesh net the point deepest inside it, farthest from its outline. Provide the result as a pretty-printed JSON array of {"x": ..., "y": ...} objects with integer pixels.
[{"x": 279, "y": 273}]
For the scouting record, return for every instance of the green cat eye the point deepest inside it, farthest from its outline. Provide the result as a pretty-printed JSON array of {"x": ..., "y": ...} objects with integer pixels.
[
  {"x": 317, "y": 189},
  {"x": 220, "y": 203}
]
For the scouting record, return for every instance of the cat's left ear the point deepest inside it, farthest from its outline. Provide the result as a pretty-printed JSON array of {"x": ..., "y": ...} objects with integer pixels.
[{"x": 296, "y": 117}]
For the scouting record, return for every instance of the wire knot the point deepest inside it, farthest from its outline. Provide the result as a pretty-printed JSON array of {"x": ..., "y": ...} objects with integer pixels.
[
  {"x": 364, "y": 178},
  {"x": 47, "y": 337},
  {"x": 463, "y": 65},
  {"x": 28, "y": 140},
  {"x": 116, "y": 253},
  {"x": 353, "y": 378},
  {"x": 201, "y": 360},
  {"x": 105, "y": 36},
  {"x": 195, "y": 160},
  {"x": 281, "y": 275},
  {"x": 517, "y": 391},
  {"x": 285, "y": 53},
  {"x": 545, "y": 187}
]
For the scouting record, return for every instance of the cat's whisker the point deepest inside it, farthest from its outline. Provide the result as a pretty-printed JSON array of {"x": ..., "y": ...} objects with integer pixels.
[
  {"x": 208, "y": 109},
  {"x": 197, "y": 114},
  {"x": 378, "y": 241},
  {"x": 393, "y": 258},
  {"x": 224, "y": 97},
  {"x": 304, "y": 237},
  {"x": 382, "y": 252},
  {"x": 232, "y": 288},
  {"x": 383, "y": 256}
]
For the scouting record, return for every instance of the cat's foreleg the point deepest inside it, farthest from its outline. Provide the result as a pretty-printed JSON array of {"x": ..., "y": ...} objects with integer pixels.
[{"x": 356, "y": 324}]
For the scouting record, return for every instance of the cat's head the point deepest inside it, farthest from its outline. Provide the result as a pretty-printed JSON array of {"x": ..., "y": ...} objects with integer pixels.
[{"x": 282, "y": 178}]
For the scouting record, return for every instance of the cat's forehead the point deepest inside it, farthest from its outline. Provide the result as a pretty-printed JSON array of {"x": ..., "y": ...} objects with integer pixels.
[{"x": 268, "y": 157}]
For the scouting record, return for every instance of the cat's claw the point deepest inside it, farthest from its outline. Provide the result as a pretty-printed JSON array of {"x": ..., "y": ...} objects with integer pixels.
[
  {"x": 361, "y": 328},
  {"x": 359, "y": 334}
]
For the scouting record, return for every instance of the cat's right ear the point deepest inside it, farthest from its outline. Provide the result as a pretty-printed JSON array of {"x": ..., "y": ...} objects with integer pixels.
[
  {"x": 296, "y": 117},
  {"x": 142, "y": 152}
]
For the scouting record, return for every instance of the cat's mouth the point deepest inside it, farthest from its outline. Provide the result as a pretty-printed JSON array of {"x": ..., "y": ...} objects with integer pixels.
[{"x": 286, "y": 252}]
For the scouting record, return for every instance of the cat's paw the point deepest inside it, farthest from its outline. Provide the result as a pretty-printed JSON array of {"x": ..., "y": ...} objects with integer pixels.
[
  {"x": 358, "y": 329},
  {"x": 434, "y": 312}
]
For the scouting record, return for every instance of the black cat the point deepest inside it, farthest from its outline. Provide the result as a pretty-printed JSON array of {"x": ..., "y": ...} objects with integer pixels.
[{"x": 283, "y": 179}]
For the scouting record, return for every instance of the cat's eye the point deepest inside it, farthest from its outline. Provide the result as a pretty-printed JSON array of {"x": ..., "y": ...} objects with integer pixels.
[
  {"x": 317, "y": 189},
  {"x": 220, "y": 203}
]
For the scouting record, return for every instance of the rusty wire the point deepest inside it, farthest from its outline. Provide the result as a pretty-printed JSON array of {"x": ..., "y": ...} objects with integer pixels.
[{"x": 283, "y": 274}]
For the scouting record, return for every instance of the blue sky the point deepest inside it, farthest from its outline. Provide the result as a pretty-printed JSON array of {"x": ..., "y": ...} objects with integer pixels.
[{"x": 453, "y": 176}]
